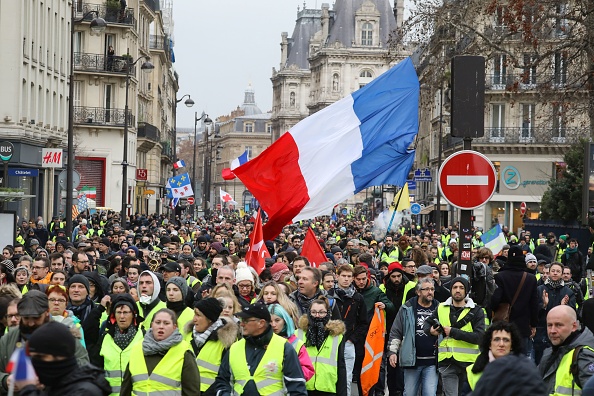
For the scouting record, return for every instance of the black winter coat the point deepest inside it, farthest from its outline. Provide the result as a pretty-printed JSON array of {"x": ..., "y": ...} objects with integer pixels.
[
  {"x": 354, "y": 315},
  {"x": 87, "y": 380},
  {"x": 524, "y": 313}
]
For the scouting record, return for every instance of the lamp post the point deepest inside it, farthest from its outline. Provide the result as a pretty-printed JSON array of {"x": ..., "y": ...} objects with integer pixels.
[
  {"x": 207, "y": 122},
  {"x": 98, "y": 25},
  {"x": 207, "y": 170},
  {"x": 189, "y": 103},
  {"x": 146, "y": 67}
]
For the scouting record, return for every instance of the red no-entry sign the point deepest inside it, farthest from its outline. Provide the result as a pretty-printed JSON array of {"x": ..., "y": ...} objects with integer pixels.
[
  {"x": 190, "y": 200},
  {"x": 467, "y": 179},
  {"x": 523, "y": 208}
]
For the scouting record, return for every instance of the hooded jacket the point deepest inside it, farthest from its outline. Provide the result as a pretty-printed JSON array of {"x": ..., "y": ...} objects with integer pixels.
[
  {"x": 373, "y": 294},
  {"x": 87, "y": 380},
  {"x": 354, "y": 315},
  {"x": 552, "y": 357},
  {"x": 335, "y": 328}
]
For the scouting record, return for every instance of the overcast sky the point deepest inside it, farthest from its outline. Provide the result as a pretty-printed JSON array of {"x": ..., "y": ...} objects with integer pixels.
[{"x": 221, "y": 46}]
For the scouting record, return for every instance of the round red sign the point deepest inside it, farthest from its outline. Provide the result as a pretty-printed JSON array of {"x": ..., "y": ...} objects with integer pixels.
[
  {"x": 467, "y": 179},
  {"x": 190, "y": 200},
  {"x": 523, "y": 208}
]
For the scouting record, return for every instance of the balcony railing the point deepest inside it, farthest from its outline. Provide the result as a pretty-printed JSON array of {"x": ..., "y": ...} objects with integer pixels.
[
  {"x": 152, "y": 4},
  {"x": 524, "y": 81},
  {"x": 102, "y": 116},
  {"x": 167, "y": 150},
  {"x": 149, "y": 131},
  {"x": 160, "y": 43},
  {"x": 111, "y": 15},
  {"x": 102, "y": 63},
  {"x": 523, "y": 135}
]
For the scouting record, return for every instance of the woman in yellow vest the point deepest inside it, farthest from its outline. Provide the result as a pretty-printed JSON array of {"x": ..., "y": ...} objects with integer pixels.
[
  {"x": 324, "y": 343},
  {"x": 123, "y": 331},
  {"x": 500, "y": 339},
  {"x": 176, "y": 290},
  {"x": 211, "y": 337},
  {"x": 163, "y": 362}
]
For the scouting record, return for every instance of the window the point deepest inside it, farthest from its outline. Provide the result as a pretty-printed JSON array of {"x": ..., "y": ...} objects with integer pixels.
[
  {"x": 367, "y": 34},
  {"x": 529, "y": 74},
  {"x": 248, "y": 127},
  {"x": 497, "y": 123},
  {"x": 499, "y": 71},
  {"x": 559, "y": 124},
  {"x": 528, "y": 117},
  {"x": 249, "y": 151},
  {"x": 365, "y": 78},
  {"x": 561, "y": 24},
  {"x": 268, "y": 128},
  {"x": 560, "y": 64}
]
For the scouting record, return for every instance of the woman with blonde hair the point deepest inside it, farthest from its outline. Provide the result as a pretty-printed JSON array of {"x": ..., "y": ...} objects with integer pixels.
[
  {"x": 225, "y": 291},
  {"x": 271, "y": 293}
]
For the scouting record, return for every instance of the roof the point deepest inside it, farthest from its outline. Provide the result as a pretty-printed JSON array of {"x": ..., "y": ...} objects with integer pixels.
[
  {"x": 249, "y": 106},
  {"x": 307, "y": 24}
]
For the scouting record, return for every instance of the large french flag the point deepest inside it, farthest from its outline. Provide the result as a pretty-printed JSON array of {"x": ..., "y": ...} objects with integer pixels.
[{"x": 362, "y": 140}]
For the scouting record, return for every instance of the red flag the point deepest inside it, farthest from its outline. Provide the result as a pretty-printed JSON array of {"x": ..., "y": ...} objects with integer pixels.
[
  {"x": 257, "y": 252},
  {"x": 227, "y": 174},
  {"x": 312, "y": 250}
]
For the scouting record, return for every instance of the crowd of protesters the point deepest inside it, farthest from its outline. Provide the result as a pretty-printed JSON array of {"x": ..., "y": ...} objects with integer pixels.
[{"x": 170, "y": 305}]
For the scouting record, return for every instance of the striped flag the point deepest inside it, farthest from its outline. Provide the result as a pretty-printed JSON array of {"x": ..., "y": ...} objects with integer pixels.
[
  {"x": 179, "y": 164},
  {"x": 75, "y": 212},
  {"x": 20, "y": 367},
  {"x": 494, "y": 239},
  {"x": 90, "y": 192}
]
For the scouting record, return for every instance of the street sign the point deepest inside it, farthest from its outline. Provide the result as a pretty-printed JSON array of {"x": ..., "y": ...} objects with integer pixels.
[
  {"x": 23, "y": 172},
  {"x": 63, "y": 176},
  {"x": 467, "y": 179},
  {"x": 190, "y": 200},
  {"x": 423, "y": 175},
  {"x": 412, "y": 184},
  {"x": 6, "y": 151},
  {"x": 141, "y": 174},
  {"x": 415, "y": 208},
  {"x": 523, "y": 208}
]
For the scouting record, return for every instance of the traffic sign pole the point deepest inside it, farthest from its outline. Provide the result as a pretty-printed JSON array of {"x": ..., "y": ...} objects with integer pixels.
[{"x": 465, "y": 268}]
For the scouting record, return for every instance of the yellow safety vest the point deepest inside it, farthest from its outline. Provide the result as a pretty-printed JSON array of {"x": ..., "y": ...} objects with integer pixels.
[
  {"x": 564, "y": 382},
  {"x": 208, "y": 361},
  {"x": 116, "y": 360},
  {"x": 390, "y": 258},
  {"x": 325, "y": 362},
  {"x": 165, "y": 378},
  {"x": 268, "y": 376},
  {"x": 472, "y": 377},
  {"x": 146, "y": 323},
  {"x": 461, "y": 351},
  {"x": 186, "y": 316}
]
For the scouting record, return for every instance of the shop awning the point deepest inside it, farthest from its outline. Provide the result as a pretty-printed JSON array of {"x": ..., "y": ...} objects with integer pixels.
[{"x": 428, "y": 209}]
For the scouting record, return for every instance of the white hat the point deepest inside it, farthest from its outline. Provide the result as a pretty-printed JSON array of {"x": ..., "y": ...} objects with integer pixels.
[
  {"x": 530, "y": 257},
  {"x": 242, "y": 273}
]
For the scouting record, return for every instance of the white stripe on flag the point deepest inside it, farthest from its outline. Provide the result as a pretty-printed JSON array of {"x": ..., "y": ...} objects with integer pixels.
[{"x": 467, "y": 180}]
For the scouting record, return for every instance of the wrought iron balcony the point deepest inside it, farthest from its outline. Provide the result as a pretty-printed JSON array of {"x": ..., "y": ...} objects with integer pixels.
[
  {"x": 526, "y": 81},
  {"x": 152, "y": 4},
  {"x": 167, "y": 151},
  {"x": 523, "y": 135},
  {"x": 160, "y": 43},
  {"x": 110, "y": 14},
  {"x": 102, "y": 116},
  {"x": 148, "y": 131},
  {"x": 103, "y": 63}
]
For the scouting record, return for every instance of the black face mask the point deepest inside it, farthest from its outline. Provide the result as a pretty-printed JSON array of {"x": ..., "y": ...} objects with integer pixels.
[
  {"x": 213, "y": 274},
  {"x": 52, "y": 373}
]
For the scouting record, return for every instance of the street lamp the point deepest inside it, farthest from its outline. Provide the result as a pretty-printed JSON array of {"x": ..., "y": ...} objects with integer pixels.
[
  {"x": 98, "y": 25},
  {"x": 208, "y": 170},
  {"x": 189, "y": 103},
  {"x": 207, "y": 123},
  {"x": 146, "y": 67}
]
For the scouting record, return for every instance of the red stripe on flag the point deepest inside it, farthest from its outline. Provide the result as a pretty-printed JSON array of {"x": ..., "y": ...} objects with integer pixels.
[{"x": 276, "y": 174}]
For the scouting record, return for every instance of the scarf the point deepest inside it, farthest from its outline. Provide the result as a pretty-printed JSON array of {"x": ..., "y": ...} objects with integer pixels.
[
  {"x": 81, "y": 311},
  {"x": 201, "y": 338},
  {"x": 305, "y": 302},
  {"x": 123, "y": 339},
  {"x": 569, "y": 251},
  {"x": 150, "y": 346},
  {"x": 316, "y": 331},
  {"x": 555, "y": 284},
  {"x": 349, "y": 291}
]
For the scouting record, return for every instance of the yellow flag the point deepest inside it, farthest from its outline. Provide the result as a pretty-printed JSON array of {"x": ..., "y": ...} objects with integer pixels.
[
  {"x": 241, "y": 213},
  {"x": 404, "y": 201}
]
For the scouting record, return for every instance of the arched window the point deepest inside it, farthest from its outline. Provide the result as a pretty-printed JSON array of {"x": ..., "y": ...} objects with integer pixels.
[
  {"x": 367, "y": 34},
  {"x": 365, "y": 74},
  {"x": 365, "y": 77}
]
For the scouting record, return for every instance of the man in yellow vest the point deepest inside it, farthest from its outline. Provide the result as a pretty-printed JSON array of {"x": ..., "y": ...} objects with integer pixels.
[
  {"x": 461, "y": 324},
  {"x": 262, "y": 363},
  {"x": 569, "y": 364}
]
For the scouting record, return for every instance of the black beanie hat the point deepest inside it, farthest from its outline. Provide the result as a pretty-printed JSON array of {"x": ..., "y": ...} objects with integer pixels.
[
  {"x": 515, "y": 256},
  {"x": 54, "y": 339},
  {"x": 210, "y": 307},
  {"x": 462, "y": 280},
  {"x": 201, "y": 238},
  {"x": 78, "y": 278}
]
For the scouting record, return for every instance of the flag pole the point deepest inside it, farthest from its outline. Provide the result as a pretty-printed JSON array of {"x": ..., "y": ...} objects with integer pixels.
[{"x": 390, "y": 223}]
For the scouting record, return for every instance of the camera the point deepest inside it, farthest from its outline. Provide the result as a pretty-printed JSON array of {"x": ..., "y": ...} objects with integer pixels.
[{"x": 436, "y": 325}]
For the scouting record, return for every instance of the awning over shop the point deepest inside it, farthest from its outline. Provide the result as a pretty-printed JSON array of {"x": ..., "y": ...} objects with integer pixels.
[{"x": 428, "y": 209}]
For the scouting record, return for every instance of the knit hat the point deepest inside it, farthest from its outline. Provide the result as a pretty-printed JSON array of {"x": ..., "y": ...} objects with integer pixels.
[
  {"x": 78, "y": 278},
  {"x": 8, "y": 264},
  {"x": 201, "y": 239},
  {"x": 52, "y": 338},
  {"x": 218, "y": 246},
  {"x": 395, "y": 266},
  {"x": 515, "y": 256},
  {"x": 463, "y": 281},
  {"x": 278, "y": 270},
  {"x": 242, "y": 273},
  {"x": 530, "y": 257},
  {"x": 335, "y": 249},
  {"x": 210, "y": 307},
  {"x": 33, "y": 242},
  {"x": 105, "y": 241},
  {"x": 19, "y": 269},
  {"x": 181, "y": 285}
]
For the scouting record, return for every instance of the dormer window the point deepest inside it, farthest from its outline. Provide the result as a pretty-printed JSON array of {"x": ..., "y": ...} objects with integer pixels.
[{"x": 367, "y": 34}]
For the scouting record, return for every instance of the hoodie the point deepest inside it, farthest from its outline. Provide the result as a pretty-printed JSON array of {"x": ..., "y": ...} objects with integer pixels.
[{"x": 148, "y": 306}]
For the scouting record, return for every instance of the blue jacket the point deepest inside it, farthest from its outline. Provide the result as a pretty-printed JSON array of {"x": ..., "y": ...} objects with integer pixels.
[{"x": 402, "y": 334}]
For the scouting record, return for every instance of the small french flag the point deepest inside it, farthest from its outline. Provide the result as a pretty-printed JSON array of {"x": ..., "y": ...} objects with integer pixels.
[
  {"x": 20, "y": 366},
  {"x": 179, "y": 164}
]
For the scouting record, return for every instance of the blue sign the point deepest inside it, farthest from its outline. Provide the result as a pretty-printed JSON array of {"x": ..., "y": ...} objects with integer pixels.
[
  {"x": 345, "y": 212},
  {"x": 412, "y": 184},
  {"x": 23, "y": 172},
  {"x": 423, "y": 175},
  {"x": 415, "y": 208}
]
